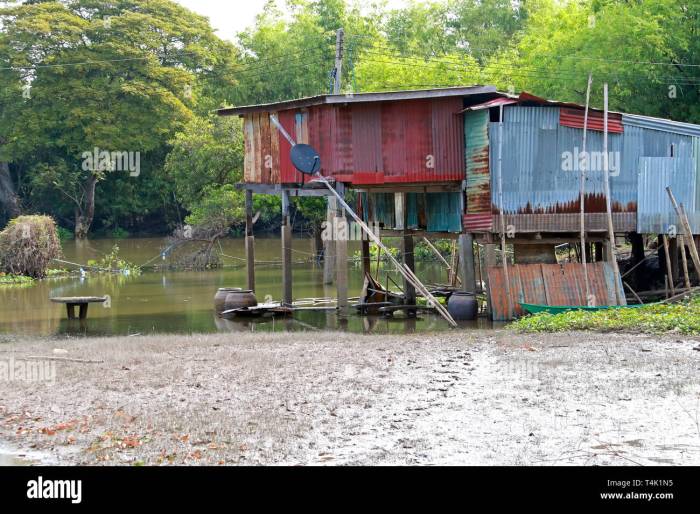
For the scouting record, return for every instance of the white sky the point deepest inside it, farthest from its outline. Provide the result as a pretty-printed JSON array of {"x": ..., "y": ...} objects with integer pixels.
[{"x": 232, "y": 16}]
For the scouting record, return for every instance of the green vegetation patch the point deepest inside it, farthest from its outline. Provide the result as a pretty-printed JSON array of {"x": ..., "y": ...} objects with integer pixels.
[{"x": 681, "y": 318}]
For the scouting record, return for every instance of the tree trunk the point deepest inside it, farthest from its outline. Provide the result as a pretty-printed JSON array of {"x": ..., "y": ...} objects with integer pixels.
[
  {"x": 8, "y": 197},
  {"x": 85, "y": 214}
]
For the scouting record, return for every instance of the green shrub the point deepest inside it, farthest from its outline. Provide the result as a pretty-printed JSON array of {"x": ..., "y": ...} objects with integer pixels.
[{"x": 28, "y": 245}]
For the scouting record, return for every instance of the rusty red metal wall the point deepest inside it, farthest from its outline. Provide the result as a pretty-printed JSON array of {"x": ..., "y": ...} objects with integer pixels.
[
  {"x": 412, "y": 141},
  {"x": 574, "y": 118}
]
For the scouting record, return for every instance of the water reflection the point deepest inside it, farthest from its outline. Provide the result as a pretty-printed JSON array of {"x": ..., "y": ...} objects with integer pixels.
[{"x": 182, "y": 301}]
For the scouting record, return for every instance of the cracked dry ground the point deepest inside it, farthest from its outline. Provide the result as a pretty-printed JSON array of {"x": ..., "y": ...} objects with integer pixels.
[{"x": 458, "y": 397}]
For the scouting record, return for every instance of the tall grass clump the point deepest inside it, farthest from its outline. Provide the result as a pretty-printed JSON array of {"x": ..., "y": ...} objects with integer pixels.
[{"x": 27, "y": 246}]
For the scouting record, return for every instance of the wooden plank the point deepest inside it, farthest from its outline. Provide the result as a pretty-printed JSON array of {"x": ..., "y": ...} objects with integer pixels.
[
  {"x": 249, "y": 240},
  {"x": 341, "y": 262},
  {"x": 286, "y": 252},
  {"x": 680, "y": 211},
  {"x": 249, "y": 143},
  {"x": 684, "y": 259},
  {"x": 275, "y": 151},
  {"x": 258, "y": 162},
  {"x": 669, "y": 268},
  {"x": 266, "y": 149},
  {"x": 408, "y": 259}
]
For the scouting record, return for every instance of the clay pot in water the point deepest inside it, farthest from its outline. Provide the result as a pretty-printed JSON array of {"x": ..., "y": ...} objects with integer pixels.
[
  {"x": 220, "y": 297},
  {"x": 239, "y": 299},
  {"x": 463, "y": 306}
]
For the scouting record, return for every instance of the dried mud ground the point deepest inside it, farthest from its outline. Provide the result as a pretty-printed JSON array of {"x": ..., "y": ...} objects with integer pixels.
[{"x": 470, "y": 398}]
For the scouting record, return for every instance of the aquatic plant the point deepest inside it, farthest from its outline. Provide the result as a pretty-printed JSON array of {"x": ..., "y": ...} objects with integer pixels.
[
  {"x": 682, "y": 318},
  {"x": 15, "y": 280},
  {"x": 113, "y": 263}
]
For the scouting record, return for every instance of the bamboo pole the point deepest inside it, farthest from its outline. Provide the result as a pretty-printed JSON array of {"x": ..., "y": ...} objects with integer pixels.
[
  {"x": 684, "y": 259},
  {"x": 504, "y": 254},
  {"x": 582, "y": 198},
  {"x": 608, "y": 202},
  {"x": 667, "y": 253},
  {"x": 680, "y": 211},
  {"x": 450, "y": 270},
  {"x": 405, "y": 271}
]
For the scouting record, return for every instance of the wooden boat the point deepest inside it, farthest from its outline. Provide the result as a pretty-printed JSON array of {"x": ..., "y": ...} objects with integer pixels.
[
  {"x": 374, "y": 296},
  {"x": 269, "y": 310},
  {"x": 533, "y": 308}
]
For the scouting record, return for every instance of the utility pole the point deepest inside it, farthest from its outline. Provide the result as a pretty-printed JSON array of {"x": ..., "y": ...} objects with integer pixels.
[
  {"x": 329, "y": 247},
  {"x": 339, "y": 50}
]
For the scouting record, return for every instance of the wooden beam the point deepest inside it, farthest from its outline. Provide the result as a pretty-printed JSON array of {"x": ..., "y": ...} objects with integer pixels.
[
  {"x": 466, "y": 260},
  {"x": 688, "y": 232},
  {"x": 341, "y": 257},
  {"x": 669, "y": 269},
  {"x": 287, "y": 297},
  {"x": 329, "y": 243},
  {"x": 249, "y": 240},
  {"x": 409, "y": 260},
  {"x": 684, "y": 259}
]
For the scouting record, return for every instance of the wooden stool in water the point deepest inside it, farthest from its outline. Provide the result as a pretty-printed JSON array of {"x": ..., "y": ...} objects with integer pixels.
[{"x": 79, "y": 301}]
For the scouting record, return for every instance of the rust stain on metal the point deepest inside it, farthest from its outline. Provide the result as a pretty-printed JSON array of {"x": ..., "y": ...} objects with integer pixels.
[{"x": 548, "y": 284}]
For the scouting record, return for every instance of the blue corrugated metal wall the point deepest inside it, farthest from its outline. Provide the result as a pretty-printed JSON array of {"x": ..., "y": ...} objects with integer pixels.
[
  {"x": 655, "y": 212},
  {"x": 534, "y": 179},
  {"x": 443, "y": 211}
]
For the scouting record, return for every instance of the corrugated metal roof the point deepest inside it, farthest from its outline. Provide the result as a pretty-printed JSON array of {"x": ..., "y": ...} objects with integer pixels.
[
  {"x": 655, "y": 213},
  {"x": 388, "y": 96},
  {"x": 660, "y": 124}
]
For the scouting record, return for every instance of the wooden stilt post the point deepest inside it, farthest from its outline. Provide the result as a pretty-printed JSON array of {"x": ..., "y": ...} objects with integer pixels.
[
  {"x": 684, "y": 259},
  {"x": 504, "y": 254},
  {"x": 673, "y": 256},
  {"x": 409, "y": 260},
  {"x": 341, "y": 255},
  {"x": 402, "y": 268},
  {"x": 619, "y": 293},
  {"x": 669, "y": 268},
  {"x": 329, "y": 244},
  {"x": 687, "y": 231},
  {"x": 466, "y": 257},
  {"x": 287, "y": 298},
  {"x": 582, "y": 197},
  {"x": 249, "y": 240},
  {"x": 366, "y": 259}
]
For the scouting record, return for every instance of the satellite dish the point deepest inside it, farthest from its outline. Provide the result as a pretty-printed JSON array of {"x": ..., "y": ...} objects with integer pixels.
[{"x": 305, "y": 159}]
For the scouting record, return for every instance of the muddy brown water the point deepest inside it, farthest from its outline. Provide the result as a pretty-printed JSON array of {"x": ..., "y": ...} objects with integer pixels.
[{"x": 182, "y": 301}]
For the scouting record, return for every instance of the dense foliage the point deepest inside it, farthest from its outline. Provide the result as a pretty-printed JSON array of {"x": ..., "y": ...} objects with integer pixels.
[{"x": 145, "y": 77}]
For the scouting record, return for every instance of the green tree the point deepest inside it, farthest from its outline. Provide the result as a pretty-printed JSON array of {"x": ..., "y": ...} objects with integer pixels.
[{"x": 120, "y": 76}]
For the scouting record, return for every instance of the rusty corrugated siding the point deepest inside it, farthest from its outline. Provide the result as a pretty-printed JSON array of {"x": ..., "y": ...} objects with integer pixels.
[
  {"x": 412, "y": 141},
  {"x": 478, "y": 208},
  {"x": 574, "y": 118},
  {"x": 549, "y": 284},
  {"x": 535, "y": 177}
]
